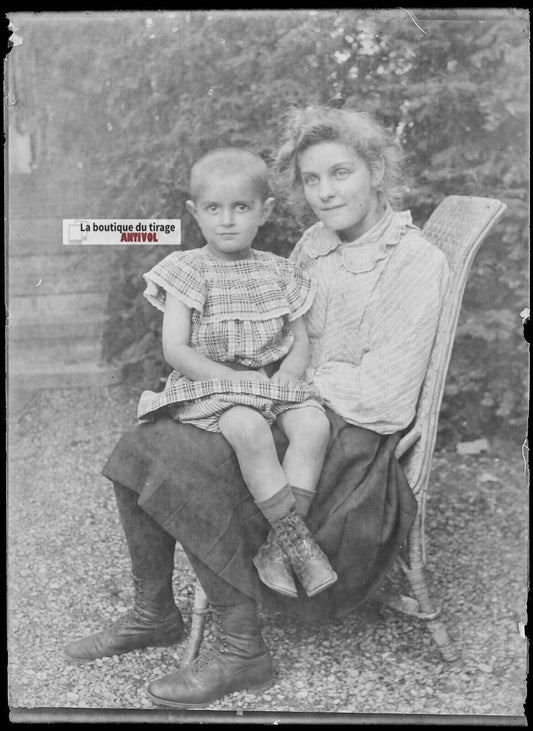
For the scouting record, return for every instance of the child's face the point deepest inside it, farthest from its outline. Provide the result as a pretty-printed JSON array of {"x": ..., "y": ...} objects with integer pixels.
[
  {"x": 340, "y": 188},
  {"x": 229, "y": 212}
]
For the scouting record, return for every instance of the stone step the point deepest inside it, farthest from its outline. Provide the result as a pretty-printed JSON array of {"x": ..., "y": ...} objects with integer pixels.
[
  {"x": 42, "y": 274},
  {"x": 27, "y": 206},
  {"x": 29, "y": 247},
  {"x": 27, "y": 192},
  {"x": 45, "y": 227},
  {"x": 26, "y": 309},
  {"x": 61, "y": 375},
  {"x": 90, "y": 328},
  {"x": 27, "y": 236},
  {"x": 53, "y": 350},
  {"x": 42, "y": 192},
  {"x": 37, "y": 235}
]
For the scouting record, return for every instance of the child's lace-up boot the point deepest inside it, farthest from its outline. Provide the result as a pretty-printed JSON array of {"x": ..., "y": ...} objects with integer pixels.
[
  {"x": 309, "y": 562},
  {"x": 274, "y": 567}
]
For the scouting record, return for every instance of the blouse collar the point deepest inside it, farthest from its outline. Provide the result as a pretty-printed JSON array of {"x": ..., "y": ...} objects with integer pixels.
[{"x": 371, "y": 247}]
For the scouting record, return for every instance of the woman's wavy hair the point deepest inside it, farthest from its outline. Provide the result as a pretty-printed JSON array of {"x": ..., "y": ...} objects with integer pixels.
[{"x": 311, "y": 125}]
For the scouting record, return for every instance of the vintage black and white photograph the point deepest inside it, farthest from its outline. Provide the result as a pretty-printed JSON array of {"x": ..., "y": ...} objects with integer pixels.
[{"x": 267, "y": 380}]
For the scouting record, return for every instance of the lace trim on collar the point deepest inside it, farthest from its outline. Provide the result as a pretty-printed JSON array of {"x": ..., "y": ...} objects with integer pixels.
[{"x": 370, "y": 248}]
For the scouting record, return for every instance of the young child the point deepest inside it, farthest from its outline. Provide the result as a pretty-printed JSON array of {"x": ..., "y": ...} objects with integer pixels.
[{"x": 234, "y": 335}]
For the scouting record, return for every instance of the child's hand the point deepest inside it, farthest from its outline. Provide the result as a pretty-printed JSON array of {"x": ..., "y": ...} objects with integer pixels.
[{"x": 285, "y": 378}]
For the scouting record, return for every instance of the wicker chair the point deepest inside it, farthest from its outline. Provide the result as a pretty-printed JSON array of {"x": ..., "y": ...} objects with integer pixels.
[{"x": 458, "y": 226}]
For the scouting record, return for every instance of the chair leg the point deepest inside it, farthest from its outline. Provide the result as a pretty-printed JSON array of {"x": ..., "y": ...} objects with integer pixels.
[
  {"x": 417, "y": 575},
  {"x": 200, "y": 611}
]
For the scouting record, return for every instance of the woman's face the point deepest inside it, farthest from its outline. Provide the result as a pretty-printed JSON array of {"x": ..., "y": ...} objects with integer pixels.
[{"x": 340, "y": 188}]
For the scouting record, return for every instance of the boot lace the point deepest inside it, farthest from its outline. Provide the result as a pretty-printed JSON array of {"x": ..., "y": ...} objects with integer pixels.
[
  {"x": 132, "y": 615},
  {"x": 218, "y": 647},
  {"x": 274, "y": 550},
  {"x": 299, "y": 536}
]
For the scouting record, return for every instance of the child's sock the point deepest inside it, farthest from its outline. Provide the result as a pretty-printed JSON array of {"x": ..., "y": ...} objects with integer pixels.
[
  {"x": 302, "y": 499},
  {"x": 278, "y": 505}
]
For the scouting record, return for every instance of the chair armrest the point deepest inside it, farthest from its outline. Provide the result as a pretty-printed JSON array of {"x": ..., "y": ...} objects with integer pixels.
[{"x": 406, "y": 442}]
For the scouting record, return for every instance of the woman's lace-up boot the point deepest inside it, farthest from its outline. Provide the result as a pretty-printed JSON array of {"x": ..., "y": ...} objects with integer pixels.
[
  {"x": 153, "y": 621},
  {"x": 309, "y": 562},
  {"x": 237, "y": 660}
]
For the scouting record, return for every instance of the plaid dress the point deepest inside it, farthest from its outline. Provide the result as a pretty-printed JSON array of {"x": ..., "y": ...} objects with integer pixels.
[{"x": 240, "y": 314}]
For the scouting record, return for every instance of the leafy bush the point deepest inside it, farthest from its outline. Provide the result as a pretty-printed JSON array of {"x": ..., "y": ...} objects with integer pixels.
[{"x": 138, "y": 96}]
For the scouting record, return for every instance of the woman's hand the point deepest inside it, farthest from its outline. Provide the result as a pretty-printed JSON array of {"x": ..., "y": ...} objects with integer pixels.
[
  {"x": 294, "y": 364},
  {"x": 238, "y": 372},
  {"x": 244, "y": 375},
  {"x": 285, "y": 378}
]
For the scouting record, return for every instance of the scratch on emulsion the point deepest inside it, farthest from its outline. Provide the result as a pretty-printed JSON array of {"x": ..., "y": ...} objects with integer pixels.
[{"x": 414, "y": 21}]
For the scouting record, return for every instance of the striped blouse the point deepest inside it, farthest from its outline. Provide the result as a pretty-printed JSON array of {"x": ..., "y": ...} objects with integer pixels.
[{"x": 373, "y": 320}]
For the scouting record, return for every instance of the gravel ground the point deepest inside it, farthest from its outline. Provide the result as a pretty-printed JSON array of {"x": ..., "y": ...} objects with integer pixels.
[{"x": 68, "y": 572}]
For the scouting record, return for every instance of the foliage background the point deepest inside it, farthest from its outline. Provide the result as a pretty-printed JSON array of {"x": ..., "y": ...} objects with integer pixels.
[{"x": 131, "y": 99}]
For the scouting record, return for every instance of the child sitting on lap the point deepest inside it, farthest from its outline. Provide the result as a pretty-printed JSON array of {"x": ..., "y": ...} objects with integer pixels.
[{"x": 234, "y": 335}]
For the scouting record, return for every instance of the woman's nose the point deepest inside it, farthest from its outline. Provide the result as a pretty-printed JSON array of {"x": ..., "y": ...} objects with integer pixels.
[{"x": 326, "y": 189}]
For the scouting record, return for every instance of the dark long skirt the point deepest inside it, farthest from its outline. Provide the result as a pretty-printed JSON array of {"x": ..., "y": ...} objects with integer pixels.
[{"x": 189, "y": 481}]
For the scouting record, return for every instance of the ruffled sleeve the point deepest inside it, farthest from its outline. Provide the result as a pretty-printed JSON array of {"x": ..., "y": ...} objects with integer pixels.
[
  {"x": 299, "y": 290},
  {"x": 180, "y": 275}
]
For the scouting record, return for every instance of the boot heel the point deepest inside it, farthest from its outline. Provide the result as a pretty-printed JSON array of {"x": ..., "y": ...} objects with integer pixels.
[
  {"x": 76, "y": 660},
  {"x": 256, "y": 689},
  {"x": 171, "y": 634}
]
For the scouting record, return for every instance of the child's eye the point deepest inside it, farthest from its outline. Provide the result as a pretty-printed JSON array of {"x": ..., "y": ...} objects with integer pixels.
[
  {"x": 212, "y": 208},
  {"x": 310, "y": 180},
  {"x": 241, "y": 207}
]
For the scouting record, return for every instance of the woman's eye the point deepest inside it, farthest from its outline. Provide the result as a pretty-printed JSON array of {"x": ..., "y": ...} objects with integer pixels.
[
  {"x": 341, "y": 173},
  {"x": 311, "y": 180}
]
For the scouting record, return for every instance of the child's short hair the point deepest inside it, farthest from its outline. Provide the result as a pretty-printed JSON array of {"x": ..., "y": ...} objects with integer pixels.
[
  {"x": 229, "y": 161},
  {"x": 358, "y": 130}
]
